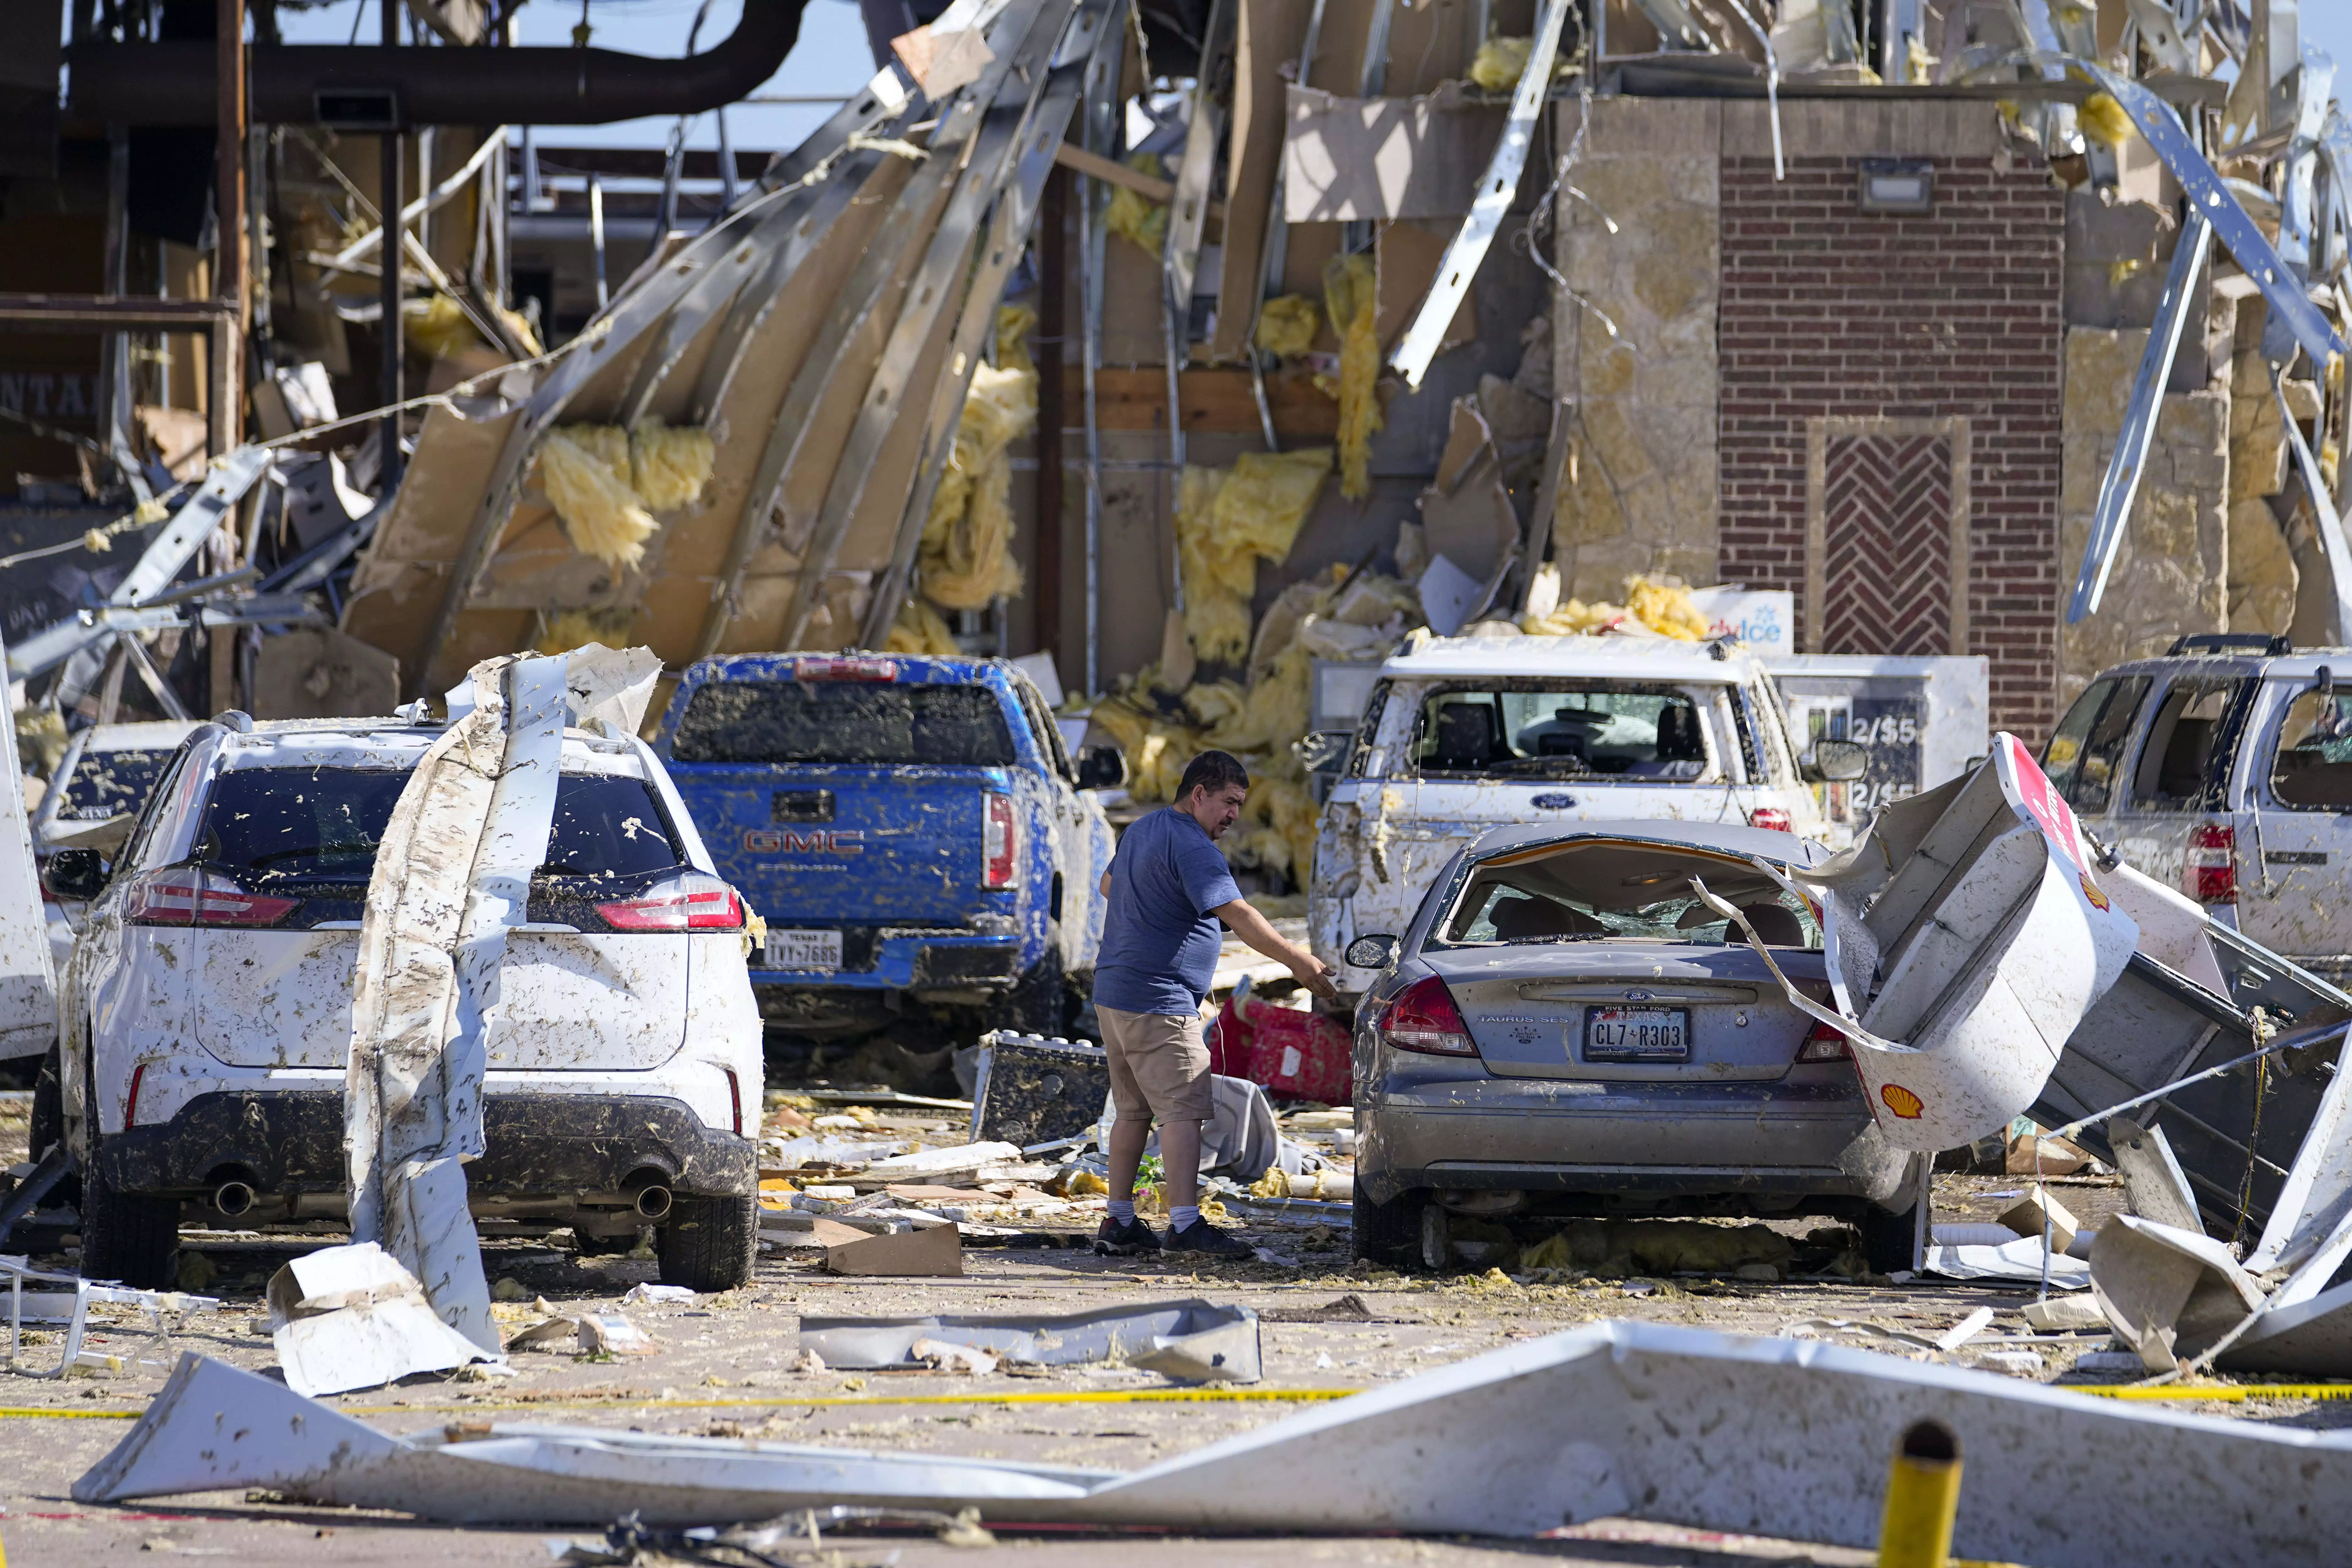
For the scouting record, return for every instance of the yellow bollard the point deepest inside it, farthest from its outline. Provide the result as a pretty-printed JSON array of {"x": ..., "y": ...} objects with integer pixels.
[{"x": 1923, "y": 1494}]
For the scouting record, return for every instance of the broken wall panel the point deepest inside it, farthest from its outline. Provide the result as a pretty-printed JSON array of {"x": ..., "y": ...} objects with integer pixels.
[
  {"x": 1346, "y": 159},
  {"x": 1268, "y": 35}
]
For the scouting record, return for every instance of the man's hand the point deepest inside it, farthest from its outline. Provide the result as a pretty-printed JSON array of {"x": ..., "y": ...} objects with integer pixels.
[{"x": 1254, "y": 929}]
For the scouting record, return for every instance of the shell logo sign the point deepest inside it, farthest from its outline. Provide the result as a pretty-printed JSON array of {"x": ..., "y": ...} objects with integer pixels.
[
  {"x": 1901, "y": 1102},
  {"x": 2098, "y": 899}
]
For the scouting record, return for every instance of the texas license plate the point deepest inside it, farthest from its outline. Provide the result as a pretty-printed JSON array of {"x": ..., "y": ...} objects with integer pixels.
[
  {"x": 818, "y": 951},
  {"x": 1637, "y": 1033}
]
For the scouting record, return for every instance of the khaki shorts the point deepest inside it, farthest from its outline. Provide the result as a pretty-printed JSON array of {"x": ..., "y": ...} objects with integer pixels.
[{"x": 1159, "y": 1065}]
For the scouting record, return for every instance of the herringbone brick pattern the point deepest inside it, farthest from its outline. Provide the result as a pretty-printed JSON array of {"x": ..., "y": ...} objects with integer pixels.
[{"x": 1886, "y": 537}]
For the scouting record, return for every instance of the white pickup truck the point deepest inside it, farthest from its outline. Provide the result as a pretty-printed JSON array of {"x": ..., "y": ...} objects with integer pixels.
[{"x": 1461, "y": 734}]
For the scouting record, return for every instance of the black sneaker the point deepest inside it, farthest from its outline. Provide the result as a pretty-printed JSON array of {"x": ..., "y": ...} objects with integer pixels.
[
  {"x": 1202, "y": 1236},
  {"x": 1117, "y": 1240}
]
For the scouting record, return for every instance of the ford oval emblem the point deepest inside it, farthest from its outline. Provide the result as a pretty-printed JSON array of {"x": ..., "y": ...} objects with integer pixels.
[
  {"x": 1637, "y": 996},
  {"x": 1555, "y": 802}
]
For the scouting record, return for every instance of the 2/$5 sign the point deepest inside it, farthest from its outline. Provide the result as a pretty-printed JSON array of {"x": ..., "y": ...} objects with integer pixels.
[{"x": 805, "y": 841}]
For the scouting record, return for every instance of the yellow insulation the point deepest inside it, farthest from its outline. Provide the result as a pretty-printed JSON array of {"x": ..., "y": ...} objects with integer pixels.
[
  {"x": 1134, "y": 218},
  {"x": 1500, "y": 62},
  {"x": 1351, "y": 295},
  {"x": 585, "y": 471},
  {"x": 1014, "y": 325},
  {"x": 920, "y": 629},
  {"x": 439, "y": 327},
  {"x": 41, "y": 738},
  {"x": 668, "y": 466},
  {"x": 1155, "y": 749},
  {"x": 2105, "y": 121},
  {"x": 1226, "y": 522},
  {"x": 566, "y": 630},
  {"x": 1661, "y": 605},
  {"x": 966, "y": 556},
  {"x": 1286, "y": 325}
]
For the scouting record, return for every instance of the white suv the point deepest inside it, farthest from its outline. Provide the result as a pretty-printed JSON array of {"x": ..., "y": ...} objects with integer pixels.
[
  {"x": 1462, "y": 734},
  {"x": 205, "y": 1018}
]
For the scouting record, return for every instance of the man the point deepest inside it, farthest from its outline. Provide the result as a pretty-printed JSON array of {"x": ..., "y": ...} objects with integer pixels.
[{"x": 1167, "y": 888}]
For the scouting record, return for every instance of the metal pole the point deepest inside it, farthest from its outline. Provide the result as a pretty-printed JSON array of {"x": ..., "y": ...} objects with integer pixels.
[
  {"x": 1093, "y": 196},
  {"x": 1053, "y": 312},
  {"x": 596, "y": 236},
  {"x": 388, "y": 204},
  {"x": 118, "y": 396},
  {"x": 726, "y": 165},
  {"x": 229, "y": 254}
]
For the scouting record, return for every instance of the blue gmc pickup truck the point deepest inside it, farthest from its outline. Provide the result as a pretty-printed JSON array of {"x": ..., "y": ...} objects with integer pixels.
[{"x": 921, "y": 843}]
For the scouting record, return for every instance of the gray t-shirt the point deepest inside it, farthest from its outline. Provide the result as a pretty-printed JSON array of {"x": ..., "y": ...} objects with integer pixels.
[{"x": 1160, "y": 942}]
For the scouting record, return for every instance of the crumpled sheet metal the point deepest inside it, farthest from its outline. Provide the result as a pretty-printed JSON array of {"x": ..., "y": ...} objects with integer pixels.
[
  {"x": 1194, "y": 1332},
  {"x": 29, "y": 989},
  {"x": 1675, "y": 1424},
  {"x": 452, "y": 877},
  {"x": 1976, "y": 902},
  {"x": 351, "y": 1316}
]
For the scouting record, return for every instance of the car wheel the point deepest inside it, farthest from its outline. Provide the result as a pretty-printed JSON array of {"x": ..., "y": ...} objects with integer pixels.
[
  {"x": 1038, "y": 1003},
  {"x": 1389, "y": 1233},
  {"x": 133, "y": 1238},
  {"x": 1886, "y": 1238},
  {"x": 708, "y": 1244}
]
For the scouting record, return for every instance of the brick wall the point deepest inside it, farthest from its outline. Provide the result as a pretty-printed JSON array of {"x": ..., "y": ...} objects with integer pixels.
[{"x": 1827, "y": 310}]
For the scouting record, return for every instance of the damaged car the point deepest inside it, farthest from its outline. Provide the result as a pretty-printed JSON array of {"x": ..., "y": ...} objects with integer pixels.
[
  {"x": 1566, "y": 1029},
  {"x": 206, "y": 1016}
]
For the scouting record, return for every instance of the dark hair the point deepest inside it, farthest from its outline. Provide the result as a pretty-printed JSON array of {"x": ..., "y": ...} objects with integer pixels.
[{"x": 1212, "y": 770}]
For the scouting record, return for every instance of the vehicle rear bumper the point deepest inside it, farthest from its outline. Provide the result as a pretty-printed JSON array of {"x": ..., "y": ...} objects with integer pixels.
[
  {"x": 290, "y": 1142},
  {"x": 1758, "y": 1143}
]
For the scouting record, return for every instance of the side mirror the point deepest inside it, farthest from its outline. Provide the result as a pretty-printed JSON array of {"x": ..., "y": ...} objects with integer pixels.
[
  {"x": 1836, "y": 762},
  {"x": 1101, "y": 767},
  {"x": 75, "y": 874},
  {"x": 1323, "y": 750},
  {"x": 1371, "y": 951}
]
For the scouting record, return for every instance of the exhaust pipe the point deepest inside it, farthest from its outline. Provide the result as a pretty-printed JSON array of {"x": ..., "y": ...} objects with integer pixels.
[
  {"x": 653, "y": 1202},
  {"x": 232, "y": 1198}
]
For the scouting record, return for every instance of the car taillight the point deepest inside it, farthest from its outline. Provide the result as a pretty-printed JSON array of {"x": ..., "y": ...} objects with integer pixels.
[
  {"x": 844, "y": 669},
  {"x": 1823, "y": 1045},
  {"x": 1424, "y": 1018},
  {"x": 735, "y": 1098},
  {"x": 131, "y": 1101},
  {"x": 2213, "y": 869},
  {"x": 184, "y": 896},
  {"x": 1770, "y": 816},
  {"x": 691, "y": 903},
  {"x": 1000, "y": 843}
]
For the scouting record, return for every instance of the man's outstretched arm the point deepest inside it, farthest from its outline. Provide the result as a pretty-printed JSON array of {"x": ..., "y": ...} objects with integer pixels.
[{"x": 1258, "y": 932}]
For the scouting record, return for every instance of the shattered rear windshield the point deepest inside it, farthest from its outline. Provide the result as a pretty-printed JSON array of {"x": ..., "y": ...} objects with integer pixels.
[
  {"x": 852, "y": 722},
  {"x": 108, "y": 783},
  {"x": 325, "y": 824},
  {"x": 1594, "y": 889}
]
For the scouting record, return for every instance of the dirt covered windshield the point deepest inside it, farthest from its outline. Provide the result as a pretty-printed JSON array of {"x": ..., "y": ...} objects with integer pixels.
[
  {"x": 1595, "y": 890},
  {"x": 1571, "y": 729}
]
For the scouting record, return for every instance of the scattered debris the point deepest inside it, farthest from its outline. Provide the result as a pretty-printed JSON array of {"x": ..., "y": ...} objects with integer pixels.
[
  {"x": 352, "y": 1317},
  {"x": 938, "y": 1250}
]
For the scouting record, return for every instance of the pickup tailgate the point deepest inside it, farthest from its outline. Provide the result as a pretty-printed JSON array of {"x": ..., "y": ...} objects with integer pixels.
[{"x": 811, "y": 845}]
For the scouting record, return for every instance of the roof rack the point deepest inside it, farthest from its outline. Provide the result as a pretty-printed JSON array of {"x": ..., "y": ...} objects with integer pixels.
[{"x": 2261, "y": 643}]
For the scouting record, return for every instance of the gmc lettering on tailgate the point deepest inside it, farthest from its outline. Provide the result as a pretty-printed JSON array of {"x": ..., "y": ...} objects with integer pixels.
[{"x": 815, "y": 841}]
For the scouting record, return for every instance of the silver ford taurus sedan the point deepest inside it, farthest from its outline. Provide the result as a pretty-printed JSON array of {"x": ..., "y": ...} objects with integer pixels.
[{"x": 1567, "y": 1030}]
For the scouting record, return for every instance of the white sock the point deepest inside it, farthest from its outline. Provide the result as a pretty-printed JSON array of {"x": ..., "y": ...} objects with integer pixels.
[
  {"x": 1183, "y": 1218},
  {"x": 1122, "y": 1210}
]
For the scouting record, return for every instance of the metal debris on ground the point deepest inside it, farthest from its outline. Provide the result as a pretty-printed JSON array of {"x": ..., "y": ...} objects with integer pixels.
[{"x": 1181, "y": 1335}]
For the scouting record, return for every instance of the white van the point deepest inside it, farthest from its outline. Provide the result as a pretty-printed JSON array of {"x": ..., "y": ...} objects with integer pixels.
[{"x": 1462, "y": 734}]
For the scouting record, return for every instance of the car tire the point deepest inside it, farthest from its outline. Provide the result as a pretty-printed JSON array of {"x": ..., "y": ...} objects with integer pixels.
[
  {"x": 708, "y": 1244},
  {"x": 1039, "y": 1002},
  {"x": 1886, "y": 1238},
  {"x": 133, "y": 1238},
  {"x": 1389, "y": 1234}
]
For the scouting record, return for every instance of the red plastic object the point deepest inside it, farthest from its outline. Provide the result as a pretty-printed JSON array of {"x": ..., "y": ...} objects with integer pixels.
[{"x": 1301, "y": 1054}]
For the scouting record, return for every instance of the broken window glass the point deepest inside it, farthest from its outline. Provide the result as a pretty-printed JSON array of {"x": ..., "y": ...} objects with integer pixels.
[
  {"x": 854, "y": 722},
  {"x": 2176, "y": 766},
  {"x": 112, "y": 783},
  {"x": 1596, "y": 889},
  {"x": 2084, "y": 754},
  {"x": 2311, "y": 769}
]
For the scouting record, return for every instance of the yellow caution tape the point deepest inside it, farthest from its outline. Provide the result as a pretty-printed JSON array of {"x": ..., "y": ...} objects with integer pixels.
[
  {"x": 2235, "y": 1394},
  {"x": 1096, "y": 1396}
]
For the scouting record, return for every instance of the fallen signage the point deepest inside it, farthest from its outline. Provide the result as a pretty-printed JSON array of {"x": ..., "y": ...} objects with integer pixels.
[{"x": 1672, "y": 1425}]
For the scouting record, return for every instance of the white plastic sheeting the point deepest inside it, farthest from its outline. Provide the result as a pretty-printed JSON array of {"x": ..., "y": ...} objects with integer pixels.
[
  {"x": 451, "y": 879},
  {"x": 1766, "y": 1436},
  {"x": 28, "y": 986}
]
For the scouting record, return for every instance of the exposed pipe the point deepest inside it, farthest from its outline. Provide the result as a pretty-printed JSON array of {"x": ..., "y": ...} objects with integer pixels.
[
  {"x": 652, "y": 1201},
  {"x": 232, "y": 1198},
  {"x": 173, "y": 82}
]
